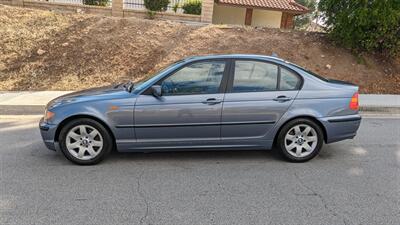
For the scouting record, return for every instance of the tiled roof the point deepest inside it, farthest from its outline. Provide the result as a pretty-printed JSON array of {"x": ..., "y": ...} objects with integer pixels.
[{"x": 281, "y": 5}]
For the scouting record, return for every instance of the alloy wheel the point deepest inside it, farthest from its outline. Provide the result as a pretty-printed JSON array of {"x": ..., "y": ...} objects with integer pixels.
[
  {"x": 84, "y": 142},
  {"x": 301, "y": 140}
]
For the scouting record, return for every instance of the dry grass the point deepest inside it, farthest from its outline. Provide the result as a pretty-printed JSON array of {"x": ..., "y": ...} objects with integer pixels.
[
  {"x": 22, "y": 30},
  {"x": 104, "y": 50}
]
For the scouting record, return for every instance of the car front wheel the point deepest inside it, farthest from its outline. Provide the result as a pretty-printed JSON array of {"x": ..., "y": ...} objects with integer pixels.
[
  {"x": 85, "y": 141},
  {"x": 300, "y": 140}
]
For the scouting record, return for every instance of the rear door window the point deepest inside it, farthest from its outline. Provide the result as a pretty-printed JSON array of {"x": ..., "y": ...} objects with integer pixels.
[{"x": 254, "y": 76}]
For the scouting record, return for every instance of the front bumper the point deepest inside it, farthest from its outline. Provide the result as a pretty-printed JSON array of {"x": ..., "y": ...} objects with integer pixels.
[
  {"x": 339, "y": 128},
  {"x": 48, "y": 132}
]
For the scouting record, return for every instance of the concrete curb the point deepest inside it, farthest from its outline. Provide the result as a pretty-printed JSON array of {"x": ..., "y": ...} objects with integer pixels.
[
  {"x": 375, "y": 109},
  {"x": 32, "y": 103},
  {"x": 22, "y": 110},
  {"x": 35, "y": 110}
]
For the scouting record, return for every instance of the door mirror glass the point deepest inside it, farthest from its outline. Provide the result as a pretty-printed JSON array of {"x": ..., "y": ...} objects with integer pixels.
[{"x": 156, "y": 90}]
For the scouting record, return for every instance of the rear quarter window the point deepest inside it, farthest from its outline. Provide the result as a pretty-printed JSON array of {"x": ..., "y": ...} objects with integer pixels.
[{"x": 289, "y": 80}]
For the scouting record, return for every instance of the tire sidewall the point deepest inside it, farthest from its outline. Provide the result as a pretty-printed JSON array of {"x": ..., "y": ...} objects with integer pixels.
[
  {"x": 107, "y": 141},
  {"x": 287, "y": 127}
]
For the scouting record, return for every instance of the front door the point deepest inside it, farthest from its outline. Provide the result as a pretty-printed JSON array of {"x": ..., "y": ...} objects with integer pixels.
[
  {"x": 258, "y": 94},
  {"x": 189, "y": 110}
]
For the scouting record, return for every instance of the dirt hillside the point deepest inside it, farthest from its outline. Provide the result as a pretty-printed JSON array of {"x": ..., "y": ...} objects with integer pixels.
[{"x": 41, "y": 50}]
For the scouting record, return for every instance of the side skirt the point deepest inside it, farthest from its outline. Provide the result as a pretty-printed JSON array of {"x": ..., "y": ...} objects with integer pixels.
[{"x": 195, "y": 146}]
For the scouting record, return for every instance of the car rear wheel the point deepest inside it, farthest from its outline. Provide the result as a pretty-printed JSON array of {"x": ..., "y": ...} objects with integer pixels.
[
  {"x": 300, "y": 140},
  {"x": 85, "y": 141}
]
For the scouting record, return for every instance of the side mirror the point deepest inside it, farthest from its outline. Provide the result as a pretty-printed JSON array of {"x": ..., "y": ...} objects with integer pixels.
[{"x": 156, "y": 90}]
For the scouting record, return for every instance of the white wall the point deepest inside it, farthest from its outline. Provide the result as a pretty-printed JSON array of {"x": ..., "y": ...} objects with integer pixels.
[
  {"x": 266, "y": 18},
  {"x": 236, "y": 15},
  {"x": 80, "y": 2},
  {"x": 228, "y": 15}
]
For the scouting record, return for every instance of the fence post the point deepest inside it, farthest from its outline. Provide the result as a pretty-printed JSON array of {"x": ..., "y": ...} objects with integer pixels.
[
  {"x": 17, "y": 2},
  {"x": 207, "y": 8},
  {"x": 117, "y": 8}
]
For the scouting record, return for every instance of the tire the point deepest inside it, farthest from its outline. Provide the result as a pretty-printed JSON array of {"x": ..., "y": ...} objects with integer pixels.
[
  {"x": 290, "y": 138},
  {"x": 82, "y": 145}
]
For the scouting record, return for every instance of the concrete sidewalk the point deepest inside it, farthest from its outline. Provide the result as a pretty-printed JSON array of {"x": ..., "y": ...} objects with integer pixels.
[
  {"x": 28, "y": 98},
  {"x": 34, "y": 102}
]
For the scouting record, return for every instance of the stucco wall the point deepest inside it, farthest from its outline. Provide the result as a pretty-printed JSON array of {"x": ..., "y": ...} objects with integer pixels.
[
  {"x": 228, "y": 15},
  {"x": 236, "y": 15},
  {"x": 266, "y": 18}
]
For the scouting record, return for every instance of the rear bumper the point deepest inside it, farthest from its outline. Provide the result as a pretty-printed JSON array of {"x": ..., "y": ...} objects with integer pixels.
[
  {"x": 48, "y": 132},
  {"x": 339, "y": 128}
]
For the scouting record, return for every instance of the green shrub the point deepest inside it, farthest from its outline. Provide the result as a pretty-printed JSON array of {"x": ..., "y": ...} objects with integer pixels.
[
  {"x": 156, "y": 5},
  {"x": 364, "y": 25},
  {"x": 96, "y": 2},
  {"x": 192, "y": 7}
]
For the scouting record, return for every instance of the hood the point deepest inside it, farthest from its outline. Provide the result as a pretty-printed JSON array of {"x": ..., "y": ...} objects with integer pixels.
[{"x": 91, "y": 94}]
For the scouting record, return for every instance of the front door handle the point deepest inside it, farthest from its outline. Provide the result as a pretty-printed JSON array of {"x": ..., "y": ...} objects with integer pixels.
[
  {"x": 212, "y": 101},
  {"x": 282, "y": 98}
]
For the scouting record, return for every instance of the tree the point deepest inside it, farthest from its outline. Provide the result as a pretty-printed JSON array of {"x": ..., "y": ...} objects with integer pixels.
[
  {"x": 303, "y": 21},
  {"x": 364, "y": 25}
]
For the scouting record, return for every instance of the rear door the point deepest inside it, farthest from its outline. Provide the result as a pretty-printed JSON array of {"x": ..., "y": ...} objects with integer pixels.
[{"x": 257, "y": 96}]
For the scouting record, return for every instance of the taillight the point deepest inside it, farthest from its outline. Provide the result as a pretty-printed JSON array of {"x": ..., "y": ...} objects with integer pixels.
[{"x": 354, "y": 102}]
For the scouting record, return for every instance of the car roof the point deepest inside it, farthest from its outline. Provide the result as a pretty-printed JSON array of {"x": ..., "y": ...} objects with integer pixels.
[{"x": 234, "y": 56}]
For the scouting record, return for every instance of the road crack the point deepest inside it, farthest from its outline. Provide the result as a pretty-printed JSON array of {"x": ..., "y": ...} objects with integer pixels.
[
  {"x": 143, "y": 196},
  {"x": 322, "y": 199}
]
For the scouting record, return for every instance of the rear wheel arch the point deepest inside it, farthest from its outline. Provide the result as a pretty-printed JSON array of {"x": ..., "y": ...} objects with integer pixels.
[
  {"x": 71, "y": 118},
  {"x": 315, "y": 120}
]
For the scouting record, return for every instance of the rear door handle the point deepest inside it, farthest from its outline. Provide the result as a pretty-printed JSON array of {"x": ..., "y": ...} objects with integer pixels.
[
  {"x": 282, "y": 98},
  {"x": 212, "y": 101}
]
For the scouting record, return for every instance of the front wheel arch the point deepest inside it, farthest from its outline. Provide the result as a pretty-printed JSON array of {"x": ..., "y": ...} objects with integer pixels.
[
  {"x": 325, "y": 137},
  {"x": 71, "y": 118}
]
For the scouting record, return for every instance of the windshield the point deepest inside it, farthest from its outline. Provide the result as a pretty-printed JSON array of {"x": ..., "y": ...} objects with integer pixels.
[{"x": 150, "y": 78}]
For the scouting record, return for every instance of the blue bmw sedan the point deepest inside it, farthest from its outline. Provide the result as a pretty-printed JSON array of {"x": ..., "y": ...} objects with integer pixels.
[{"x": 209, "y": 102}]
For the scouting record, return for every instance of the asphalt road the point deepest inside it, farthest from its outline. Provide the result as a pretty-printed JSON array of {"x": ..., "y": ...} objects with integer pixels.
[{"x": 352, "y": 182}]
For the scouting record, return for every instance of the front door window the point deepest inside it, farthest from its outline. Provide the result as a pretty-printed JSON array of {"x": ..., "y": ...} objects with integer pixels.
[{"x": 197, "y": 78}]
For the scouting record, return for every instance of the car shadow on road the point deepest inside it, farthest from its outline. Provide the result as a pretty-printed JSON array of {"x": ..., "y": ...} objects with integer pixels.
[
  {"x": 197, "y": 156},
  {"x": 327, "y": 153}
]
